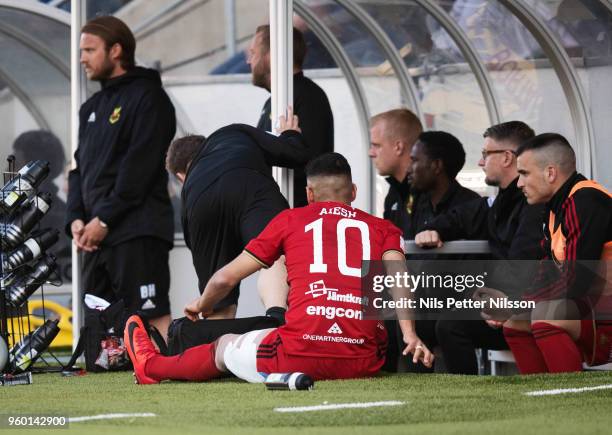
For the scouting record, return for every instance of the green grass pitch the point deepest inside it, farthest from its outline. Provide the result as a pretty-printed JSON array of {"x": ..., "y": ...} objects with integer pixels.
[{"x": 434, "y": 404}]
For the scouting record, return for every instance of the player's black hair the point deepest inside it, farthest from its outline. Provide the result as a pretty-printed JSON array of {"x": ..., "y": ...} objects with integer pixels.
[
  {"x": 544, "y": 140},
  {"x": 515, "y": 132},
  {"x": 182, "y": 151},
  {"x": 328, "y": 164},
  {"x": 440, "y": 145}
]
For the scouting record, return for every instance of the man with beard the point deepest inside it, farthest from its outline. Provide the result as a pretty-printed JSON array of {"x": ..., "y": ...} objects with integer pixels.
[
  {"x": 119, "y": 212},
  {"x": 512, "y": 228},
  {"x": 309, "y": 102}
]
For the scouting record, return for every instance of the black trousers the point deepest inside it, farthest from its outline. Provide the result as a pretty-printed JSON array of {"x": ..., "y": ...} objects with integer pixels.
[
  {"x": 459, "y": 333},
  {"x": 136, "y": 271}
]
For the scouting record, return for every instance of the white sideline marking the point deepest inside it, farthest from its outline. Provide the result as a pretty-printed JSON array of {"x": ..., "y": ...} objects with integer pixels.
[
  {"x": 109, "y": 416},
  {"x": 568, "y": 390},
  {"x": 338, "y": 406}
]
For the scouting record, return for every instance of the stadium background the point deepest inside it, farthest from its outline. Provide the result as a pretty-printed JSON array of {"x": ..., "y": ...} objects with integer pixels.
[{"x": 462, "y": 65}]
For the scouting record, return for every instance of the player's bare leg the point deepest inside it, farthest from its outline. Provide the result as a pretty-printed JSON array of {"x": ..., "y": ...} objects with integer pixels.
[
  {"x": 563, "y": 314},
  {"x": 228, "y": 312},
  {"x": 518, "y": 324},
  {"x": 272, "y": 285}
]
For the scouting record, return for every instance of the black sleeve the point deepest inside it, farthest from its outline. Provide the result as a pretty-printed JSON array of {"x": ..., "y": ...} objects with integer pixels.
[
  {"x": 74, "y": 203},
  {"x": 264, "y": 122},
  {"x": 586, "y": 225},
  {"x": 592, "y": 216},
  {"x": 466, "y": 221},
  {"x": 287, "y": 150},
  {"x": 526, "y": 243},
  {"x": 152, "y": 131},
  {"x": 387, "y": 212},
  {"x": 316, "y": 121},
  {"x": 521, "y": 270}
]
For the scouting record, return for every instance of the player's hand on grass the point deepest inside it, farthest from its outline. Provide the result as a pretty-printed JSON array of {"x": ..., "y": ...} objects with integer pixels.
[
  {"x": 428, "y": 239},
  {"x": 289, "y": 122},
  {"x": 419, "y": 351}
]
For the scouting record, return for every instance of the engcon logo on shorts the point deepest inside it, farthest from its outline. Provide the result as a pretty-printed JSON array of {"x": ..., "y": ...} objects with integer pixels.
[{"x": 333, "y": 312}]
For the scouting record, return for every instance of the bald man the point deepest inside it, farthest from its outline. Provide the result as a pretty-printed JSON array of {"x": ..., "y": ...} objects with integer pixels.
[
  {"x": 577, "y": 228},
  {"x": 392, "y": 135}
]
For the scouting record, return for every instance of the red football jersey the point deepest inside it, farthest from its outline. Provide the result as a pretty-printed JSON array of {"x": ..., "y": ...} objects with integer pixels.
[{"x": 324, "y": 245}]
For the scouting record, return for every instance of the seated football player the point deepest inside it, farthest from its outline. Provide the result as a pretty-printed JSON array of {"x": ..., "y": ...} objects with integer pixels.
[
  {"x": 325, "y": 334},
  {"x": 572, "y": 320}
]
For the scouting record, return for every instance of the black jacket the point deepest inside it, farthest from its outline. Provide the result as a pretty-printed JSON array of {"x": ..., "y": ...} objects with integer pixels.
[
  {"x": 316, "y": 122},
  {"x": 124, "y": 132},
  {"x": 423, "y": 212},
  {"x": 398, "y": 204},
  {"x": 512, "y": 227},
  {"x": 239, "y": 146},
  {"x": 585, "y": 220}
]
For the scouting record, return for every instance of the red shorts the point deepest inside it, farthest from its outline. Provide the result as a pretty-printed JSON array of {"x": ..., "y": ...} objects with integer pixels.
[
  {"x": 595, "y": 341},
  {"x": 271, "y": 358}
]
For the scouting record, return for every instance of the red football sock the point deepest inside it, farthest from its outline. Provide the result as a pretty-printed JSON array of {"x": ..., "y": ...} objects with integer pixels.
[
  {"x": 195, "y": 364},
  {"x": 559, "y": 350},
  {"x": 526, "y": 352}
]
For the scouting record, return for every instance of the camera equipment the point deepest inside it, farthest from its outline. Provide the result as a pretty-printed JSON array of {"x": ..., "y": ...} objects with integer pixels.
[
  {"x": 24, "y": 185},
  {"x": 25, "y": 353},
  {"x": 31, "y": 249},
  {"x": 23, "y": 271},
  {"x": 29, "y": 215},
  {"x": 22, "y": 287}
]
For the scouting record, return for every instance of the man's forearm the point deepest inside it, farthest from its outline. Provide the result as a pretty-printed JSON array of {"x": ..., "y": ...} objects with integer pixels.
[
  {"x": 407, "y": 327},
  {"x": 219, "y": 286}
]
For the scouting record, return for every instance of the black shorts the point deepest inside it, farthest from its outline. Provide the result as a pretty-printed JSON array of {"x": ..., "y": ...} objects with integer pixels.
[
  {"x": 225, "y": 217},
  {"x": 136, "y": 271}
]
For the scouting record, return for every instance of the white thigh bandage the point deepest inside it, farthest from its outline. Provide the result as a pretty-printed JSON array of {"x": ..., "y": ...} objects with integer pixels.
[{"x": 240, "y": 355}]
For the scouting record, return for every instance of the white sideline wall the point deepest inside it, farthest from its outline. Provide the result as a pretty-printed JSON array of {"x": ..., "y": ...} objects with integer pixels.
[{"x": 184, "y": 285}]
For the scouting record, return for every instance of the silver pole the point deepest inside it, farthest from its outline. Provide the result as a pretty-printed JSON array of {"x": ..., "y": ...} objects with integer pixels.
[
  {"x": 230, "y": 27},
  {"x": 281, "y": 80},
  {"x": 78, "y": 93}
]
